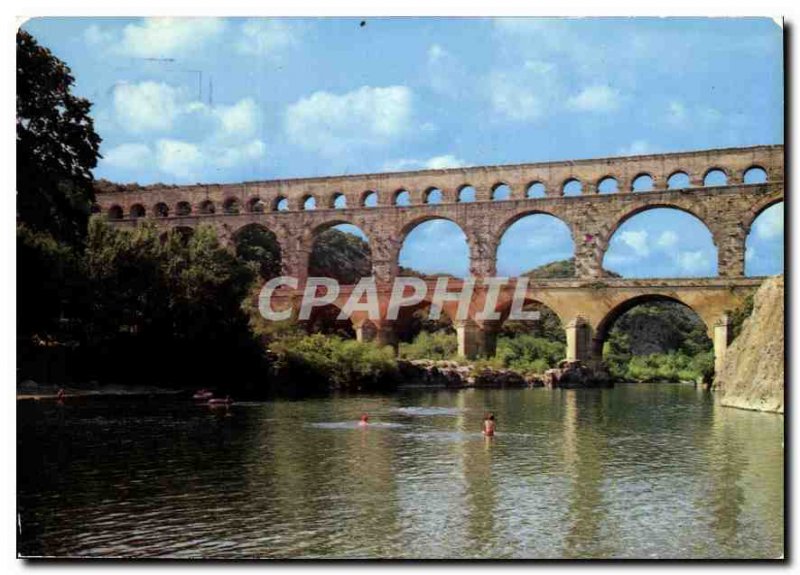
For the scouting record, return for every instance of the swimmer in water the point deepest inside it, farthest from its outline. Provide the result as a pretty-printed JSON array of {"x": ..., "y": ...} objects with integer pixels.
[
  {"x": 364, "y": 419},
  {"x": 489, "y": 425}
]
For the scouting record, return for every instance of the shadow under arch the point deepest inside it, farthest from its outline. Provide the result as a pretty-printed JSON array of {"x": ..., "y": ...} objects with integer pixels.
[
  {"x": 415, "y": 319},
  {"x": 325, "y": 320},
  {"x": 605, "y": 325}
]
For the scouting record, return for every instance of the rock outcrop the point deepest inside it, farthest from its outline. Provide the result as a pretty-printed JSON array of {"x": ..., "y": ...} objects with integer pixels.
[
  {"x": 572, "y": 374},
  {"x": 751, "y": 376},
  {"x": 452, "y": 374}
]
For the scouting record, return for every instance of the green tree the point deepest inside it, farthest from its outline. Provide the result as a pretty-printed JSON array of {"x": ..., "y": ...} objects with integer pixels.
[
  {"x": 339, "y": 255},
  {"x": 57, "y": 146},
  {"x": 259, "y": 247}
]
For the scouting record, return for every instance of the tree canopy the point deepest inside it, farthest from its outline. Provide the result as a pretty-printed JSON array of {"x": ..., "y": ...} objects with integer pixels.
[{"x": 57, "y": 147}]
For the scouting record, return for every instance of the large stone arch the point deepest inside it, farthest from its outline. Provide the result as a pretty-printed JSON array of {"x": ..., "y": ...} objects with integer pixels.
[
  {"x": 406, "y": 225},
  {"x": 603, "y": 327},
  {"x": 602, "y": 240},
  {"x": 712, "y": 310},
  {"x": 313, "y": 232}
]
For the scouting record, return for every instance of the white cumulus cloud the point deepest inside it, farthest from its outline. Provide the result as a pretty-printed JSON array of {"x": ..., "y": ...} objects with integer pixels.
[
  {"x": 636, "y": 240},
  {"x": 693, "y": 262},
  {"x": 332, "y": 123},
  {"x": 194, "y": 137},
  {"x": 181, "y": 159},
  {"x": 524, "y": 94},
  {"x": 636, "y": 148},
  {"x": 667, "y": 239},
  {"x": 769, "y": 225},
  {"x": 168, "y": 37},
  {"x": 264, "y": 37},
  {"x": 146, "y": 106},
  {"x": 239, "y": 120},
  {"x": 128, "y": 156},
  {"x": 434, "y": 163},
  {"x": 598, "y": 98}
]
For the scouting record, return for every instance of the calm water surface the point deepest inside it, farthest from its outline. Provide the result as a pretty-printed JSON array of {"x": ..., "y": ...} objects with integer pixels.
[{"x": 635, "y": 471}]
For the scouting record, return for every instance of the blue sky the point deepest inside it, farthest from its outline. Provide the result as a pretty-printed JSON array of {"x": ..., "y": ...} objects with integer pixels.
[{"x": 225, "y": 100}]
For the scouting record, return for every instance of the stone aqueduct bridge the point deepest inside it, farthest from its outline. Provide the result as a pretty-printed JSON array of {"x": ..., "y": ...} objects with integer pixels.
[{"x": 586, "y": 304}]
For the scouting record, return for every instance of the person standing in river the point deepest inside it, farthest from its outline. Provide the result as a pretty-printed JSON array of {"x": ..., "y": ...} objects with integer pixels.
[{"x": 489, "y": 425}]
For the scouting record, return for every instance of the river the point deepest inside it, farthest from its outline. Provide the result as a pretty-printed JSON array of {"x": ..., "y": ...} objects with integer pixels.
[{"x": 638, "y": 471}]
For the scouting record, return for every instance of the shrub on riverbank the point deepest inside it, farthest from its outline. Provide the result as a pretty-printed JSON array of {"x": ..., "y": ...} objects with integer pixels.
[
  {"x": 427, "y": 345},
  {"x": 522, "y": 352},
  {"x": 320, "y": 362},
  {"x": 674, "y": 366}
]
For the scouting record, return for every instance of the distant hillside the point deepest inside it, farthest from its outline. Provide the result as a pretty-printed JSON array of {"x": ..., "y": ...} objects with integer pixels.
[
  {"x": 342, "y": 256},
  {"x": 558, "y": 269}
]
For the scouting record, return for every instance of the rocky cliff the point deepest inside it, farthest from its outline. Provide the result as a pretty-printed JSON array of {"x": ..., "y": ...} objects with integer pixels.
[{"x": 752, "y": 373}]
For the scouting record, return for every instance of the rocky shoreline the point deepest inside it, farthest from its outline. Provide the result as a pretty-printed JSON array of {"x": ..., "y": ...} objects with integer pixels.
[{"x": 452, "y": 374}]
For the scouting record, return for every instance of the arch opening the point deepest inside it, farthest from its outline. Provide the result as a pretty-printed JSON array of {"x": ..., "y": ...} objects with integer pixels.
[
  {"x": 755, "y": 175},
  {"x": 339, "y": 201},
  {"x": 764, "y": 246},
  {"x": 369, "y": 199},
  {"x": 115, "y": 213},
  {"x": 183, "y": 208},
  {"x": 608, "y": 185},
  {"x": 467, "y": 194},
  {"x": 530, "y": 345},
  {"x": 501, "y": 192},
  {"x": 207, "y": 207},
  {"x": 280, "y": 204},
  {"x": 572, "y": 187},
  {"x": 309, "y": 203},
  {"x": 231, "y": 206},
  {"x": 434, "y": 247},
  {"x": 161, "y": 210},
  {"x": 325, "y": 320},
  {"x": 658, "y": 242},
  {"x": 340, "y": 251},
  {"x": 137, "y": 211},
  {"x": 433, "y": 196},
  {"x": 255, "y": 205},
  {"x": 655, "y": 338},
  {"x": 259, "y": 247},
  {"x": 536, "y": 190},
  {"x": 678, "y": 181},
  {"x": 643, "y": 183},
  {"x": 423, "y": 337},
  {"x": 402, "y": 198},
  {"x": 536, "y": 245},
  {"x": 715, "y": 177}
]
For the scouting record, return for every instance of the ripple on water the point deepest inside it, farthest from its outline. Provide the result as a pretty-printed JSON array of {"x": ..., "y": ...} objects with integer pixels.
[
  {"x": 355, "y": 425},
  {"x": 428, "y": 411}
]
